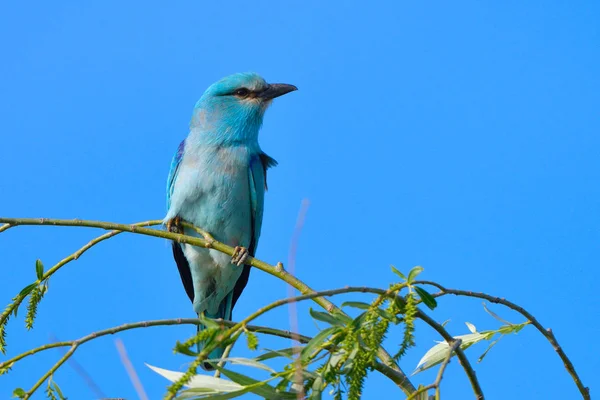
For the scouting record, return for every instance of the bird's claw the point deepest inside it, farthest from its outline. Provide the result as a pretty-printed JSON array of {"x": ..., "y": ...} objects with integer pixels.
[
  {"x": 174, "y": 225},
  {"x": 240, "y": 254}
]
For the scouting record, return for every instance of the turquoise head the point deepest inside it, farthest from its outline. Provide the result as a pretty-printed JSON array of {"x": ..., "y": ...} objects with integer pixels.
[{"x": 232, "y": 109}]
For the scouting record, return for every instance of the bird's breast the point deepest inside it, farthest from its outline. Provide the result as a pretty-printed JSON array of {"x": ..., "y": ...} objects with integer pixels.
[{"x": 215, "y": 191}]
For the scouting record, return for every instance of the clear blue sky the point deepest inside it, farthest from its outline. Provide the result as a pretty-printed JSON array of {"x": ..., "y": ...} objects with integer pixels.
[{"x": 460, "y": 136}]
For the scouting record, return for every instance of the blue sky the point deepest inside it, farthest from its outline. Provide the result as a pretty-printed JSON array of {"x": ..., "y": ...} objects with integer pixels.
[{"x": 459, "y": 136}]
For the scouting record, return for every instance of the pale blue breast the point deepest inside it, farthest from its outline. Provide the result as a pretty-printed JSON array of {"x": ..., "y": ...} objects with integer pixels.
[{"x": 212, "y": 192}]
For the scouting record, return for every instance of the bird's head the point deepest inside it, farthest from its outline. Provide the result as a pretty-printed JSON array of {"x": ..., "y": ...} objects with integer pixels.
[{"x": 232, "y": 109}]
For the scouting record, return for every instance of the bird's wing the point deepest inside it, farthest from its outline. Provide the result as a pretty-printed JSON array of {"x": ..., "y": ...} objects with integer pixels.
[
  {"x": 173, "y": 172},
  {"x": 257, "y": 175},
  {"x": 182, "y": 263}
]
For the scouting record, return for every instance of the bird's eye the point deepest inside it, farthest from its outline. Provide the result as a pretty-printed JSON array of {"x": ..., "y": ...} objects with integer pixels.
[{"x": 242, "y": 92}]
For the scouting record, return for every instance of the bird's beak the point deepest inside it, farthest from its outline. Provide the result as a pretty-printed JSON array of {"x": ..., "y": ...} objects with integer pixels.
[{"x": 275, "y": 90}]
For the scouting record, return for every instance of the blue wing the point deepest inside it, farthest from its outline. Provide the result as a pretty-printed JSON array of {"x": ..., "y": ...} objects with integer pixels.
[
  {"x": 182, "y": 263},
  {"x": 173, "y": 172},
  {"x": 257, "y": 177}
]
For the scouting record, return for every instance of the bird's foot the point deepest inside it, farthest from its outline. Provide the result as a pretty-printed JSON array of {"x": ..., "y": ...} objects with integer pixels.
[
  {"x": 174, "y": 225},
  {"x": 240, "y": 254}
]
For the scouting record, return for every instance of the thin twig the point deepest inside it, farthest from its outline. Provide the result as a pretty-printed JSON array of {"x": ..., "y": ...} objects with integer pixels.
[
  {"x": 221, "y": 363},
  {"x": 80, "y": 370},
  {"x": 547, "y": 333},
  {"x": 440, "y": 375}
]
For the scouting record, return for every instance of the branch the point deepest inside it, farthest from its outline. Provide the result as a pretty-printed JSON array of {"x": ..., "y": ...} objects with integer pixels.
[
  {"x": 208, "y": 242},
  {"x": 547, "y": 333}
]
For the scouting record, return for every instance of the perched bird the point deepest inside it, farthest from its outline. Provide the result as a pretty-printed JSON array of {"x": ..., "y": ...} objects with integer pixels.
[{"x": 217, "y": 182}]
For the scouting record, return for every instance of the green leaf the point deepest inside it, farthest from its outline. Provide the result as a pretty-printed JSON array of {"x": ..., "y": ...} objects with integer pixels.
[
  {"x": 340, "y": 316},
  {"x": 400, "y": 274},
  {"x": 316, "y": 342},
  {"x": 198, "y": 381},
  {"x": 27, "y": 289},
  {"x": 245, "y": 361},
  {"x": 208, "y": 322},
  {"x": 413, "y": 273},
  {"x": 58, "y": 391},
  {"x": 488, "y": 349},
  {"x": 317, "y": 388},
  {"x": 439, "y": 352},
  {"x": 325, "y": 317},
  {"x": 287, "y": 353},
  {"x": 356, "y": 304},
  {"x": 428, "y": 299},
  {"x": 18, "y": 392},
  {"x": 471, "y": 327},
  {"x": 261, "y": 388},
  {"x": 195, "y": 393},
  {"x": 39, "y": 269},
  {"x": 496, "y": 315},
  {"x": 358, "y": 321}
]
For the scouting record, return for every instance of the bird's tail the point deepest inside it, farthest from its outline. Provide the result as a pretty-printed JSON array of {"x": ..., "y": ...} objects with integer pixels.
[{"x": 224, "y": 312}]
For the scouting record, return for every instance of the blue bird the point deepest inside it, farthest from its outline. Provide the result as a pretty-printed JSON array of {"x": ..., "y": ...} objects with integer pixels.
[{"x": 217, "y": 182}]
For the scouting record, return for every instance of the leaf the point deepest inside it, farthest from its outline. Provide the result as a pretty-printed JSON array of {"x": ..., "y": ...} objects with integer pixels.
[
  {"x": 261, "y": 388},
  {"x": 356, "y": 304},
  {"x": 27, "y": 289},
  {"x": 439, "y": 352},
  {"x": 495, "y": 315},
  {"x": 288, "y": 353},
  {"x": 325, "y": 317},
  {"x": 245, "y": 361},
  {"x": 428, "y": 299},
  {"x": 18, "y": 392},
  {"x": 471, "y": 327},
  {"x": 400, "y": 274},
  {"x": 208, "y": 322},
  {"x": 58, "y": 391},
  {"x": 199, "y": 381},
  {"x": 39, "y": 269},
  {"x": 488, "y": 349},
  {"x": 316, "y": 342},
  {"x": 317, "y": 388},
  {"x": 194, "y": 393},
  {"x": 358, "y": 321},
  {"x": 413, "y": 273}
]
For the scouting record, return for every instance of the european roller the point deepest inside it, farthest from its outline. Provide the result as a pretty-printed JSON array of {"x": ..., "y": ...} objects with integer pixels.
[{"x": 217, "y": 182}]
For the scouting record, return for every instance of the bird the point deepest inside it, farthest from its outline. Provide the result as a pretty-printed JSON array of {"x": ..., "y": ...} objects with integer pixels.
[{"x": 217, "y": 182}]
